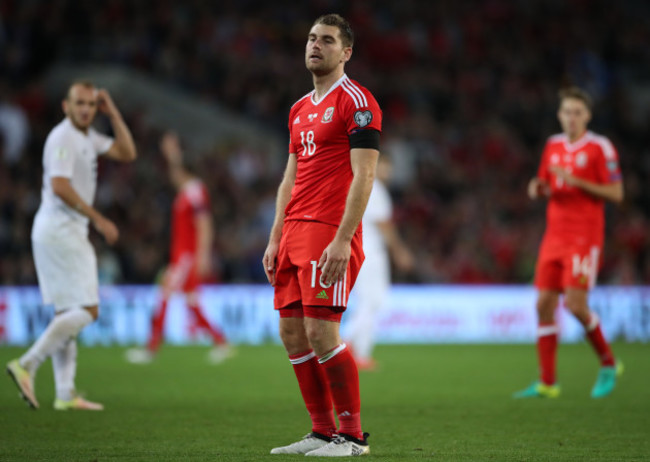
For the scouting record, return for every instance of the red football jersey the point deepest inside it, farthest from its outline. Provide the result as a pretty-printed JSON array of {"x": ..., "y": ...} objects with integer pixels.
[
  {"x": 190, "y": 201},
  {"x": 572, "y": 211},
  {"x": 319, "y": 134}
]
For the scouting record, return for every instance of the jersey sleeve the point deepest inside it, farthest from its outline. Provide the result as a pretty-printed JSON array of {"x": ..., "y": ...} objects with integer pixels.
[
  {"x": 101, "y": 143},
  {"x": 59, "y": 156},
  {"x": 542, "y": 172},
  {"x": 362, "y": 111},
  {"x": 608, "y": 169}
]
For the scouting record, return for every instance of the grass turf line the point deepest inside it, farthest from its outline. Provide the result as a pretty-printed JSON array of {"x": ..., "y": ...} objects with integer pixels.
[{"x": 427, "y": 402}]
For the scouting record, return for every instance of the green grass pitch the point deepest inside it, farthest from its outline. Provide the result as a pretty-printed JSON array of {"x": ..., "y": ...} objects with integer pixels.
[{"x": 433, "y": 402}]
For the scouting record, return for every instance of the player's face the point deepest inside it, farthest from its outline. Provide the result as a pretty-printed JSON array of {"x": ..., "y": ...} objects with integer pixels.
[
  {"x": 81, "y": 106},
  {"x": 324, "y": 51},
  {"x": 574, "y": 115}
]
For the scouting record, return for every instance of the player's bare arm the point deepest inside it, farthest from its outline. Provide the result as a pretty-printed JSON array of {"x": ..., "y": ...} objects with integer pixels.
[
  {"x": 538, "y": 188},
  {"x": 123, "y": 148},
  {"x": 204, "y": 232},
  {"x": 612, "y": 192},
  {"x": 400, "y": 253},
  {"x": 284, "y": 195},
  {"x": 334, "y": 260},
  {"x": 62, "y": 187},
  {"x": 170, "y": 146}
]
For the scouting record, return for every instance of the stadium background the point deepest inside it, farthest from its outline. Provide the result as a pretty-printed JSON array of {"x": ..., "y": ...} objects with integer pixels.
[{"x": 468, "y": 90}]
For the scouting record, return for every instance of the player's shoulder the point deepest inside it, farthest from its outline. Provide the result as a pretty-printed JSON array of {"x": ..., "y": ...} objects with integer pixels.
[
  {"x": 301, "y": 101},
  {"x": 195, "y": 190},
  {"x": 64, "y": 130},
  {"x": 602, "y": 142},
  {"x": 557, "y": 138},
  {"x": 357, "y": 94},
  {"x": 63, "y": 135}
]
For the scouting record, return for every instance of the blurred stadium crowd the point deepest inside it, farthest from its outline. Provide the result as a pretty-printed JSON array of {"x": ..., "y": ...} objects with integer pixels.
[{"x": 468, "y": 91}]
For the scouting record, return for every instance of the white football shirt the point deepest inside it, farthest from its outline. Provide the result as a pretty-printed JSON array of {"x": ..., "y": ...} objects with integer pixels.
[
  {"x": 379, "y": 209},
  {"x": 72, "y": 154}
]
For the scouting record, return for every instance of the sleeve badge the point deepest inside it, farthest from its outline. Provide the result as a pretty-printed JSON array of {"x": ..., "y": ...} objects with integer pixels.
[{"x": 363, "y": 118}]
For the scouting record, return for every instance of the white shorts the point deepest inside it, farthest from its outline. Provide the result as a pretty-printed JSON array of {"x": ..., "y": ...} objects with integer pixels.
[{"x": 66, "y": 264}]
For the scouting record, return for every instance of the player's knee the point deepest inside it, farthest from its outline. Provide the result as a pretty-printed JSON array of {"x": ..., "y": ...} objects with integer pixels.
[
  {"x": 577, "y": 305},
  {"x": 293, "y": 339},
  {"x": 546, "y": 305}
]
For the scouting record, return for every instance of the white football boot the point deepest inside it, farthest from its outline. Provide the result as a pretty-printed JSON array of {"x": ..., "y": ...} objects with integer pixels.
[
  {"x": 343, "y": 446},
  {"x": 309, "y": 442},
  {"x": 24, "y": 381}
]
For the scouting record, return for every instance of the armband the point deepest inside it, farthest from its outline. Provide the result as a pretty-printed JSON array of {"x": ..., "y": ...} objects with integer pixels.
[{"x": 364, "y": 139}]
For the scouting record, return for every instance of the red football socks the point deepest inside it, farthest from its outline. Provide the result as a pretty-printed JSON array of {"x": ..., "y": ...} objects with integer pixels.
[
  {"x": 343, "y": 379},
  {"x": 597, "y": 340},
  {"x": 315, "y": 392},
  {"x": 547, "y": 351},
  {"x": 157, "y": 325},
  {"x": 201, "y": 321}
]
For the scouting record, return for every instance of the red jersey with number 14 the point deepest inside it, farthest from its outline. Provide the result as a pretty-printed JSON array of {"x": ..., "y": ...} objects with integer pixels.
[
  {"x": 571, "y": 211},
  {"x": 319, "y": 137},
  {"x": 191, "y": 200}
]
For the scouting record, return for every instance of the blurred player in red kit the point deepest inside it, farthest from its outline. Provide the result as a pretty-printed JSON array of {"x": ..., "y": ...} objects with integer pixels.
[
  {"x": 191, "y": 249},
  {"x": 315, "y": 246},
  {"x": 579, "y": 171}
]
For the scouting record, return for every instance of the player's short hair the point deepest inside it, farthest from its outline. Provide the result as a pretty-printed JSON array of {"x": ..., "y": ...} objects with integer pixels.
[
  {"x": 336, "y": 20},
  {"x": 576, "y": 93},
  {"x": 86, "y": 83}
]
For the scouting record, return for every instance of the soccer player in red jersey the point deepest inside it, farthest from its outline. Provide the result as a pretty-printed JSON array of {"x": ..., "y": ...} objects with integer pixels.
[
  {"x": 315, "y": 250},
  {"x": 579, "y": 171},
  {"x": 190, "y": 254}
]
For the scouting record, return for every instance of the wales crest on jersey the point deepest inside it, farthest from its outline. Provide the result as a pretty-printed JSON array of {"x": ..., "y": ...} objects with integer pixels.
[{"x": 327, "y": 117}]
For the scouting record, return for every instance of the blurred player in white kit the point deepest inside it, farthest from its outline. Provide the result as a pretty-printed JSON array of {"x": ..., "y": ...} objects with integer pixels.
[
  {"x": 379, "y": 238},
  {"x": 65, "y": 260}
]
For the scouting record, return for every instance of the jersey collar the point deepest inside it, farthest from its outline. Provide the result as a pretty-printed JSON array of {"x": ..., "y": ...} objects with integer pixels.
[
  {"x": 332, "y": 88},
  {"x": 580, "y": 142}
]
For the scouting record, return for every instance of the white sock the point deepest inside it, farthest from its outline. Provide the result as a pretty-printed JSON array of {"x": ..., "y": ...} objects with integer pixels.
[
  {"x": 61, "y": 329},
  {"x": 64, "y": 363}
]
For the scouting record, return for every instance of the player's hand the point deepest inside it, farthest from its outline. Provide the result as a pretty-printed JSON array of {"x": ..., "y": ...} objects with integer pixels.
[
  {"x": 107, "y": 229},
  {"x": 564, "y": 174},
  {"x": 105, "y": 103},
  {"x": 170, "y": 146},
  {"x": 269, "y": 261},
  {"x": 404, "y": 259},
  {"x": 334, "y": 261},
  {"x": 538, "y": 188}
]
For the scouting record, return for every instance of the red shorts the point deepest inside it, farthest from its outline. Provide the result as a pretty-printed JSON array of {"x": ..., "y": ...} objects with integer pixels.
[
  {"x": 181, "y": 275},
  {"x": 563, "y": 264},
  {"x": 297, "y": 278}
]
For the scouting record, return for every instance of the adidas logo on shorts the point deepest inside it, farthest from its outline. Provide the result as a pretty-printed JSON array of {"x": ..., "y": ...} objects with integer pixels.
[{"x": 323, "y": 295}]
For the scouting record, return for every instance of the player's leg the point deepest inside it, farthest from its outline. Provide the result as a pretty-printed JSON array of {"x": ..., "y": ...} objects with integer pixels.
[
  {"x": 547, "y": 335},
  {"x": 173, "y": 278},
  {"x": 548, "y": 280},
  {"x": 577, "y": 302},
  {"x": 65, "y": 325},
  {"x": 343, "y": 381},
  {"x": 221, "y": 350},
  {"x": 64, "y": 364},
  {"x": 311, "y": 381},
  {"x": 146, "y": 355}
]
